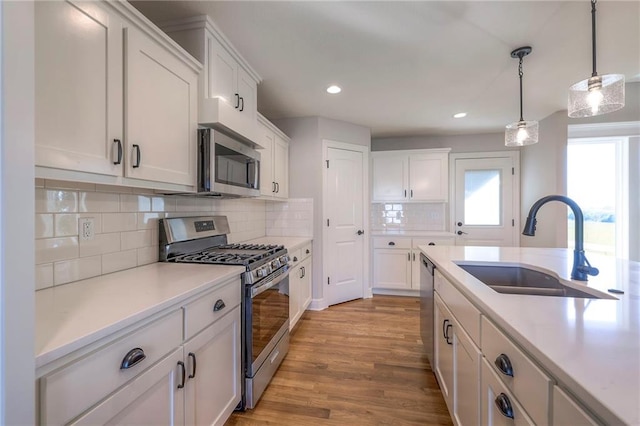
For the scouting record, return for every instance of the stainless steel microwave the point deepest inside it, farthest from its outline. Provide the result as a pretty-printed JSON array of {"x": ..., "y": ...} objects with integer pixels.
[{"x": 226, "y": 166}]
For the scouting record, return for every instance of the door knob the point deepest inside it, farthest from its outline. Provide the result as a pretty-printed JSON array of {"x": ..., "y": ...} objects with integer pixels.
[
  {"x": 460, "y": 232},
  {"x": 459, "y": 224},
  {"x": 360, "y": 232}
]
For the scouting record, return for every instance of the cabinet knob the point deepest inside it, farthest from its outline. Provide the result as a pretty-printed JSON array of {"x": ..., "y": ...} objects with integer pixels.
[
  {"x": 504, "y": 365},
  {"x": 504, "y": 405},
  {"x": 133, "y": 357}
]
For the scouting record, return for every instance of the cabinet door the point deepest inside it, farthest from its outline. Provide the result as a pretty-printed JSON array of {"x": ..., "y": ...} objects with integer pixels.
[
  {"x": 281, "y": 167},
  {"x": 499, "y": 407},
  {"x": 267, "y": 181},
  {"x": 212, "y": 359},
  {"x": 466, "y": 397},
  {"x": 160, "y": 108},
  {"x": 305, "y": 285},
  {"x": 248, "y": 91},
  {"x": 428, "y": 177},
  {"x": 390, "y": 177},
  {"x": 153, "y": 398},
  {"x": 223, "y": 74},
  {"x": 443, "y": 350},
  {"x": 392, "y": 268},
  {"x": 78, "y": 87},
  {"x": 295, "y": 283},
  {"x": 567, "y": 412}
]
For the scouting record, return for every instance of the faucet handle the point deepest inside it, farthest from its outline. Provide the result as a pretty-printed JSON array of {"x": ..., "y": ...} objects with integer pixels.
[{"x": 588, "y": 269}]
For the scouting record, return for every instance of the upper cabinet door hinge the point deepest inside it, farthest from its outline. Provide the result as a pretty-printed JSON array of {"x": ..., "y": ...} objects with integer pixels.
[{"x": 327, "y": 163}]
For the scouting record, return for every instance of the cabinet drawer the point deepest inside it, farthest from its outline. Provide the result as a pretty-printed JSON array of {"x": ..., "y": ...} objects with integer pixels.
[
  {"x": 492, "y": 389},
  {"x": 202, "y": 312},
  {"x": 392, "y": 242},
  {"x": 76, "y": 387},
  {"x": 295, "y": 257},
  {"x": 528, "y": 383},
  {"x": 466, "y": 314},
  {"x": 436, "y": 241}
]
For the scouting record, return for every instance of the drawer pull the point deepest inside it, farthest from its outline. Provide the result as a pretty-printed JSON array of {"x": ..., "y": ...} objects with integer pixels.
[
  {"x": 504, "y": 405},
  {"x": 295, "y": 258},
  {"x": 432, "y": 244},
  {"x": 504, "y": 365},
  {"x": 184, "y": 374},
  {"x": 219, "y": 305},
  {"x": 391, "y": 243},
  {"x": 133, "y": 357},
  {"x": 193, "y": 372},
  {"x": 307, "y": 251},
  {"x": 445, "y": 330}
]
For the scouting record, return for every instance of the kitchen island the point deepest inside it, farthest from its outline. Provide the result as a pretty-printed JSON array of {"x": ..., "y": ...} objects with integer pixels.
[{"x": 589, "y": 347}]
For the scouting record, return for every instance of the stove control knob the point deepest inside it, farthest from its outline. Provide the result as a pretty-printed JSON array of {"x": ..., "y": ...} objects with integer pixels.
[
  {"x": 262, "y": 272},
  {"x": 285, "y": 259},
  {"x": 276, "y": 263}
]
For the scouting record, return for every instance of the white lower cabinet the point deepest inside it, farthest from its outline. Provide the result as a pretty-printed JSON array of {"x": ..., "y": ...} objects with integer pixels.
[
  {"x": 567, "y": 412},
  {"x": 443, "y": 353},
  {"x": 152, "y": 376},
  {"x": 499, "y": 406},
  {"x": 299, "y": 283}
]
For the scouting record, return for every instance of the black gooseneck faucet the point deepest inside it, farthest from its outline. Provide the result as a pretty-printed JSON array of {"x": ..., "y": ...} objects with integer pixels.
[{"x": 581, "y": 266}]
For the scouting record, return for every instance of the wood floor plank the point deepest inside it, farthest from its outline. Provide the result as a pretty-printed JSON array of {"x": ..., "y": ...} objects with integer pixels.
[{"x": 357, "y": 363}]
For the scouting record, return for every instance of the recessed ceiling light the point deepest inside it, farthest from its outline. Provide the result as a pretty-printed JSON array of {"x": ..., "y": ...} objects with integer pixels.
[
  {"x": 460, "y": 115},
  {"x": 334, "y": 89}
]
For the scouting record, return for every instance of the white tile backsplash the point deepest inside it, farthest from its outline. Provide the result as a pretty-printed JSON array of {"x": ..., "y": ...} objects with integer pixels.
[
  {"x": 126, "y": 226},
  {"x": 409, "y": 216},
  {"x": 293, "y": 218}
]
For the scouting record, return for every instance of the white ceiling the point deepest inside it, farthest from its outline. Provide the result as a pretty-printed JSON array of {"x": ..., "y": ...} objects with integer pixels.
[{"x": 407, "y": 67}]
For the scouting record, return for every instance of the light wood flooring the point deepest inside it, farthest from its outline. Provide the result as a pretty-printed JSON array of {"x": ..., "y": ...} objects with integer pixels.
[{"x": 357, "y": 363}]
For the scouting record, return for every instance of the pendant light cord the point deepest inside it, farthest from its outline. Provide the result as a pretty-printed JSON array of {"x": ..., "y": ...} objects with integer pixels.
[
  {"x": 593, "y": 36},
  {"x": 520, "y": 74}
]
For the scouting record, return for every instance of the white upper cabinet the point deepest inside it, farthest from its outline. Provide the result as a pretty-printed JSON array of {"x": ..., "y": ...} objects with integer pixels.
[
  {"x": 228, "y": 85},
  {"x": 410, "y": 176},
  {"x": 274, "y": 161},
  {"x": 115, "y": 98}
]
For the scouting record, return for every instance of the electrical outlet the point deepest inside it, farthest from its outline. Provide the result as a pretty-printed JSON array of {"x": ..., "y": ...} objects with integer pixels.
[{"x": 85, "y": 228}]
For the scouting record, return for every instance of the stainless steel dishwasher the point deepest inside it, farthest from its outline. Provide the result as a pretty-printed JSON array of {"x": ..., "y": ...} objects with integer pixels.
[{"x": 426, "y": 305}]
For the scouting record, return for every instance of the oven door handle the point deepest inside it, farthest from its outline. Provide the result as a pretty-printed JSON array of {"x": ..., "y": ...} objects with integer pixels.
[{"x": 266, "y": 286}]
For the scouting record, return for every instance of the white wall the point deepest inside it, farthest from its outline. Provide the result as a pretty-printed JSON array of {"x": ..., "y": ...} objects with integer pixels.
[
  {"x": 543, "y": 172},
  {"x": 17, "y": 362},
  {"x": 305, "y": 173}
]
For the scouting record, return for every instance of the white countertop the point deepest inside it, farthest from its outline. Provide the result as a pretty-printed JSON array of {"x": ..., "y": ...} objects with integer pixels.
[
  {"x": 291, "y": 243},
  {"x": 410, "y": 233},
  {"x": 591, "y": 346},
  {"x": 71, "y": 316}
]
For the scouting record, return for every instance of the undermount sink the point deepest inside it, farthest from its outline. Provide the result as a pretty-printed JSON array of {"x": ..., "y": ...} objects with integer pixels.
[{"x": 510, "y": 279}]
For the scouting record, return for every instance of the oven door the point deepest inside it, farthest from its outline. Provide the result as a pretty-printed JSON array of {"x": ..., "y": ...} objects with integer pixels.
[{"x": 267, "y": 319}]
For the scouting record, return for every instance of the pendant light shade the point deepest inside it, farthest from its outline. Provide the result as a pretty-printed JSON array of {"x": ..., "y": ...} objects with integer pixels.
[
  {"x": 599, "y": 94},
  {"x": 521, "y": 132}
]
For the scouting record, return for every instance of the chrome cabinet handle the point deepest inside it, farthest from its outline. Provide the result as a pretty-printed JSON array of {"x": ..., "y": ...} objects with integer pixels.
[
  {"x": 219, "y": 305},
  {"x": 504, "y": 365},
  {"x": 138, "y": 158},
  {"x": 118, "y": 155},
  {"x": 133, "y": 357},
  {"x": 184, "y": 374},
  {"x": 193, "y": 372},
  {"x": 504, "y": 405}
]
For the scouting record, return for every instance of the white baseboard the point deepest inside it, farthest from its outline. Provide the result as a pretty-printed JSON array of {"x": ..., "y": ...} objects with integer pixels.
[
  {"x": 396, "y": 292},
  {"x": 318, "y": 305}
]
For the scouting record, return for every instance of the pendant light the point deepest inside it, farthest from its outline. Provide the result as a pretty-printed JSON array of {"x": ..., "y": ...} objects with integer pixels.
[
  {"x": 599, "y": 94},
  {"x": 521, "y": 132}
]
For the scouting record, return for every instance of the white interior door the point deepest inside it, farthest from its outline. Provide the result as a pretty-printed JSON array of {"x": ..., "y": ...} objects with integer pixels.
[
  {"x": 344, "y": 212},
  {"x": 485, "y": 210}
]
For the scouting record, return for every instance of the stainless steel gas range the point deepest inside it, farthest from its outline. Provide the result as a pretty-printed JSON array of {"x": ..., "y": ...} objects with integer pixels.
[{"x": 265, "y": 302}]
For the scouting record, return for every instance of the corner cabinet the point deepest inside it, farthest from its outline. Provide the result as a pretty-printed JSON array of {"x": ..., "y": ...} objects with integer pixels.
[
  {"x": 274, "y": 161},
  {"x": 115, "y": 98},
  {"x": 410, "y": 176},
  {"x": 228, "y": 85},
  {"x": 300, "y": 283},
  {"x": 183, "y": 366}
]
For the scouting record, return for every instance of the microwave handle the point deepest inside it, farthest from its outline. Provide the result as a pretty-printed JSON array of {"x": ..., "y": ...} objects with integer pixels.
[
  {"x": 253, "y": 174},
  {"x": 204, "y": 160}
]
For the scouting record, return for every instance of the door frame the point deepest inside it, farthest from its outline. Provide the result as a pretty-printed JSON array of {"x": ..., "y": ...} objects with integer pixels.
[
  {"x": 366, "y": 208},
  {"x": 515, "y": 160}
]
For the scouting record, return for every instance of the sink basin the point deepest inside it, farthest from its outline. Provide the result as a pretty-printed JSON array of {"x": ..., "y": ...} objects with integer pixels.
[{"x": 511, "y": 279}]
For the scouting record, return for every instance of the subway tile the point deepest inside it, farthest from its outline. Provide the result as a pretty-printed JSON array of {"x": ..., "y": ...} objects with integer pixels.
[
  {"x": 119, "y": 261},
  {"x": 149, "y": 220},
  {"x": 163, "y": 204},
  {"x": 63, "y": 184},
  {"x": 56, "y": 201},
  {"x": 147, "y": 255},
  {"x": 44, "y": 226},
  {"x": 118, "y": 222},
  {"x": 135, "y": 239},
  {"x": 66, "y": 225},
  {"x": 55, "y": 249},
  {"x": 204, "y": 204},
  {"x": 185, "y": 204},
  {"x": 44, "y": 276},
  {"x": 76, "y": 269},
  {"x": 99, "y": 202},
  {"x": 135, "y": 203},
  {"x": 101, "y": 244}
]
